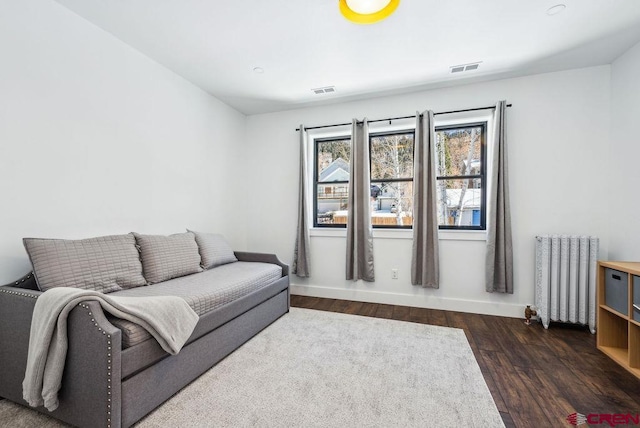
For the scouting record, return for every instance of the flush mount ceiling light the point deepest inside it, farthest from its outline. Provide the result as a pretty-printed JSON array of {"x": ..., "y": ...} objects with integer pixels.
[{"x": 367, "y": 11}]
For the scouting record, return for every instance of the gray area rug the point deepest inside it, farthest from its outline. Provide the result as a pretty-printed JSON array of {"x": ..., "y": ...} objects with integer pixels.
[{"x": 322, "y": 369}]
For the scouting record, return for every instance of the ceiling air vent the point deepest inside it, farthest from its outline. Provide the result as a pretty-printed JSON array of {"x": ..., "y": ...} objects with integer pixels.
[
  {"x": 464, "y": 67},
  {"x": 325, "y": 90}
]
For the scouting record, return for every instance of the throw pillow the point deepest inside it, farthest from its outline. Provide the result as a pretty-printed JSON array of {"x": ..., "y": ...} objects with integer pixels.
[
  {"x": 166, "y": 257},
  {"x": 105, "y": 263},
  {"x": 214, "y": 249}
]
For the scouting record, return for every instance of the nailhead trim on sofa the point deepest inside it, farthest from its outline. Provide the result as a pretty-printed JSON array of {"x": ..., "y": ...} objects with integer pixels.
[
  {"x": 108, "y": 363},
  {"x": 17, "y": 293}
]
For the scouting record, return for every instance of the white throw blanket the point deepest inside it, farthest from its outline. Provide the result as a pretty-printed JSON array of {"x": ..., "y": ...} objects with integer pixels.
[{"x": 169, "y": 319}]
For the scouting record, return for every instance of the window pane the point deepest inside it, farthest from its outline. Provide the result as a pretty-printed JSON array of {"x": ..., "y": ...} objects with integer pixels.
[
  {"x": 459, "y": 202},
  {"x": 392, "y": 203},
  {"x": 458, "y": 151},
  {"x": 333, "y": 160},
  {"x": 332, "y": 203},
  {"x": 392, "y": 156}
]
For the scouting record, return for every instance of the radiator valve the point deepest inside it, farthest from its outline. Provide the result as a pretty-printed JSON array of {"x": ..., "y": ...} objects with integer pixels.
[{"x": 528, "y": 313}]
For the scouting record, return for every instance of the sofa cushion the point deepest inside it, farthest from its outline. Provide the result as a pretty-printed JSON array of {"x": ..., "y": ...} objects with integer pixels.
[
  {"x": 167, "y": 257},
  {"x": 214, "y": 249},
  {"x": 204, "y": 292},
  {"x": 105, "y": 263},
  {"x": 145, "y": 354}
]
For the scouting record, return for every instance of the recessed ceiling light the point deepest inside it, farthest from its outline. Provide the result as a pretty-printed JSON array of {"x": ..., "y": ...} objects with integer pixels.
[
  {"x": 258, "y": 70},
  {"x": 554, "y": 10}
]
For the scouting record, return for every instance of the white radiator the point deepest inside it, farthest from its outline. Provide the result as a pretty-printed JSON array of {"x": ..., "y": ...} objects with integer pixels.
[{"x": 566, "y": 279}]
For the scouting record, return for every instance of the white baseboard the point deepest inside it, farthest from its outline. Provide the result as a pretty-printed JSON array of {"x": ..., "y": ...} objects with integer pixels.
[{"x": 442, "y": 303}]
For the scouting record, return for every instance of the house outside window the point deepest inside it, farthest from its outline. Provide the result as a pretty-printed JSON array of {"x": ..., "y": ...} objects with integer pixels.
[{"x": 460, "y": 183}]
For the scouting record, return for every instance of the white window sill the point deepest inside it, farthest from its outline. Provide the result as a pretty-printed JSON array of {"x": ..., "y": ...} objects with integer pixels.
[
  {"x": 462, "y": 235},
  {"x": 443, "y": 235}
]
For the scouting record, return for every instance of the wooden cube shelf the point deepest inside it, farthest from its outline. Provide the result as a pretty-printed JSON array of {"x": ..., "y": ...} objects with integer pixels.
[{"x": 618, "y": 334}]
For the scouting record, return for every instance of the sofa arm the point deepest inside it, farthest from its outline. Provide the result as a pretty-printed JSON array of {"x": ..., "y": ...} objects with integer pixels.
[
  {"x": 16, "y": 310},
  {"x": 27, "y": 282},
  {"x": 90, "y": 393},
  {"x": 264, "y": 258},
  {"x": 91, "y": 384}
]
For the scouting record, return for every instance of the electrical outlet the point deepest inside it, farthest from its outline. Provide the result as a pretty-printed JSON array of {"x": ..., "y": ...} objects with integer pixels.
[{"x": 394, "y": 273}]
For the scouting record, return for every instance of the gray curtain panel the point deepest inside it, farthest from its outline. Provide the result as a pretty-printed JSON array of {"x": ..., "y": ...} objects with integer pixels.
[
  {"x": 301, "y": 256},
  {"x": 424, "y": 257},
  {"x": 359, "y": 231},
  {"x": 499, "y": 263}
]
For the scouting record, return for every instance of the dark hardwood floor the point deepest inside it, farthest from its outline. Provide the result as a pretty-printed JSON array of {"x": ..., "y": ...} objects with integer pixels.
[{"x": 537, "y": 377}]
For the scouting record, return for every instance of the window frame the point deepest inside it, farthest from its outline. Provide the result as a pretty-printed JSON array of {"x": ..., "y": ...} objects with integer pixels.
[
  {"x": 482, "y": 175},
  {"x": 316, "y": 177},
  {"x": 411, "y": 131},
  {"x": 316, "y": 174},
  {"x": 446, "y": 232}
]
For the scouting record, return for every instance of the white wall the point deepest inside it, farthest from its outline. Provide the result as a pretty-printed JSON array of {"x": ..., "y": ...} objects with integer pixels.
[
  {"x": 558, "y": 131},
  {"x": 96, "y": 138},
  {"x": 624, "y": 172}
]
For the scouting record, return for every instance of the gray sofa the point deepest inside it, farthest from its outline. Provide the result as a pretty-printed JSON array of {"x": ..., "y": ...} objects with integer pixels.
[{"x": 108, "y": 382}]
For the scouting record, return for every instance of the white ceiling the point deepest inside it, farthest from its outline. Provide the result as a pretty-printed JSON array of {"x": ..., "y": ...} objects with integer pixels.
[{"x": 305, "y": 44}]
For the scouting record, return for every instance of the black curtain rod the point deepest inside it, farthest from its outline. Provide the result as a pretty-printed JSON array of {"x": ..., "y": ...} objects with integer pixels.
[{"x": 403, "y": 117}]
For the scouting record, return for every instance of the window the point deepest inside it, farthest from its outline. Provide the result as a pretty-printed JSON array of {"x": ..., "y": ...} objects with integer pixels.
[
  {"x": 332, "y": 181},
  {"x": 391, "y": 168},
  {"x": 391, "y": 158},
  {"x": 460, "y": 170},
  {"x": 460, "y": 178}
]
